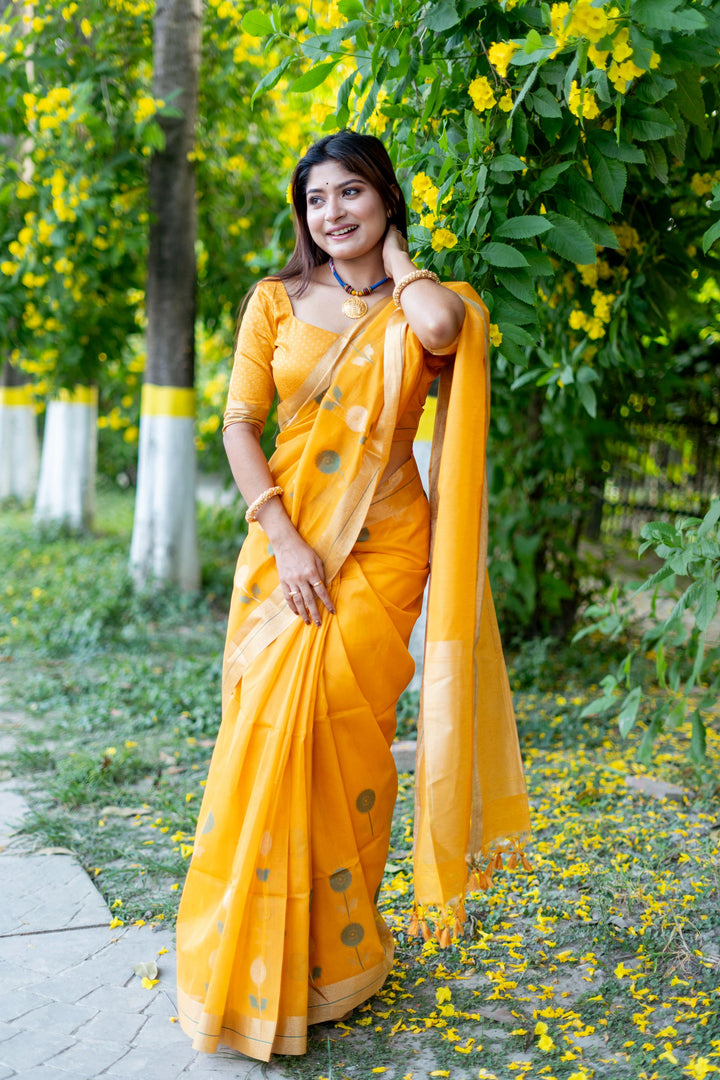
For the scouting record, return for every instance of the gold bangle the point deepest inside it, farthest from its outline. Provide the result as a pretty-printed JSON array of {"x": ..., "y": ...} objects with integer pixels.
[
  {"x": 251, "y": 512},
  {"x": 415, "y": 275}
]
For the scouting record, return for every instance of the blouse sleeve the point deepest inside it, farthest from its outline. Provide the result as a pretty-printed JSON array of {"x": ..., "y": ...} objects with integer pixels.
[{"x": 251, "y": 390}]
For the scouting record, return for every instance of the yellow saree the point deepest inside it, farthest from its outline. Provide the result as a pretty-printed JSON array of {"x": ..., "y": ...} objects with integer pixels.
[{"x": 278, "y": 926}]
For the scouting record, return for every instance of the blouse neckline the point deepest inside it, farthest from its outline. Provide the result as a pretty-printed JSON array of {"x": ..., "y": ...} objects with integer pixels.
[{"x": 321, "y": 329}]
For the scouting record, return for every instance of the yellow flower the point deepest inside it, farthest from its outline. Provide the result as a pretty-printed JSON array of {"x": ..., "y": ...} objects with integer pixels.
[
  {"x": 495, "y": 334},
  {"x": 145, "y": 108},
  {"x": 506, "y": 102},
  {"x": 428, "y": 220},
  {"x": 702, "y": 184},
  {"x": 582, "y": 103},
  {"x": 577, "y": 319},
  {"x": 546, "y": 1043},
  {"x": 147, "y": 984},
  {"x": 443, "y": 238},
  {"x": 622, "y": 50},
  {"x": 595, "y": 329},
  {"x": 500, "y": 54},
  {"x": 481, "y": 93},
  {"x": 588, "y": 21},
  {"x": 24, "y": 191},
  {"x": 558, "y": 16},
  {"x": 86, "y": 27},
  {"x": 115, "y": 923},
  {"x": 598, "y": 57},
  {"x": 621, "y": 74},
  {"x": 699, "y": 1068},
  {"x": 588, "y": 274}
]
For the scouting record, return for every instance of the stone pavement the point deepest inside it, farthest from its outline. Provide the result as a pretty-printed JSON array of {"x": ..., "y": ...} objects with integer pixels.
[{"x": 71, "y": 1007}]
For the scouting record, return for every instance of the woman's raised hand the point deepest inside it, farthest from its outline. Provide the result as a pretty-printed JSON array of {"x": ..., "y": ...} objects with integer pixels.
[{"x": 302, "y": 579}]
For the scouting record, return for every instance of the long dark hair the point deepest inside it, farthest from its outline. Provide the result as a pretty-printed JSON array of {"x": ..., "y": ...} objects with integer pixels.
[{"x": 363, "y": 155}]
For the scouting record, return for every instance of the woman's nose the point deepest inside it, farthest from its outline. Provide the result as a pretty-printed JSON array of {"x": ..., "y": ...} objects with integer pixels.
[{"x": 333, "y": 208}]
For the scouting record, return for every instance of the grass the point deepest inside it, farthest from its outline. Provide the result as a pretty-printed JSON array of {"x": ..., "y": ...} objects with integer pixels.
[{"x": 604, "y": 961}]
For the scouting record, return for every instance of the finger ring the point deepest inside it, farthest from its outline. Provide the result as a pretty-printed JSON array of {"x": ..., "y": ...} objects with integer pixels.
[
  {"x": 314, "y": 584},
  {"x": 293, "y": 592}
]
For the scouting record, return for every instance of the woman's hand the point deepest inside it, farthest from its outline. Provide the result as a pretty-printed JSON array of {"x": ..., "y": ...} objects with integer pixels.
[{"x": 302, "y": 578}]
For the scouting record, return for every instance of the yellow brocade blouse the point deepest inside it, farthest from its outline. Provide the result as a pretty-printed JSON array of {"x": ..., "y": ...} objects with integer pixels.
[{"x": 276, "y": 351}]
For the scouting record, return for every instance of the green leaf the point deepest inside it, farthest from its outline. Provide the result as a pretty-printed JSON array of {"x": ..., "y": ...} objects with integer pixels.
[
  {"x": 710, "y": 236},
  {"x": 628, "y": 714},
  {"x": 441, "y": 16},
  {"x": 609, "y": 147},
  {"x": 649, "y": 124},
  {"x": 663, "y": 15},
  {"x": 610, "y": 177},
  {"x": 569, "y": 240},
  {"x": 257, "y": 24},
  {"x": 655, "y": 579},
  {"x": 272, "y": 78},
  {"x": 351, "y": 9},
  {"x": 532, "y": 42},
  {"x": 707, "y": 604},
  {"x": 507, "y": 163},
  {"x": 599, "y": 231},
  {"x": 689, "y": 96},
  {"x": 697, "y": 740},
  {"x": 545, "y": 104},
  {"x": 521, "y": 228},
  {"x": 312, "y": 78},
  {"x": 503, "y": 255},
  {"x": 548, "y": 178},
  {"x": 711, "y": 518},
  {"x": 588, "y": 398},
  {"x": 518, "y": 285}
]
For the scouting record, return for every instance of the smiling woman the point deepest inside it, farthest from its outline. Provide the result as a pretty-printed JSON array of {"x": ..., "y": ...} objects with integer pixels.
[{"x": 278, "y": 926}]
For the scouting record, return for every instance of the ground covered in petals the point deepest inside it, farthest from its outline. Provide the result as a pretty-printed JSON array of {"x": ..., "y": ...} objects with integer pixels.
[{"x": 602, "y": 961}]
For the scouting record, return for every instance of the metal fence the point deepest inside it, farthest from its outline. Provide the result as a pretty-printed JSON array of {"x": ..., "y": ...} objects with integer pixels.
[{"x": 663, "y": 470}]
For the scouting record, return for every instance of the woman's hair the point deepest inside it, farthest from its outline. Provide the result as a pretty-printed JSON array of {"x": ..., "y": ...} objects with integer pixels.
[{"x": 363, "y": 155}]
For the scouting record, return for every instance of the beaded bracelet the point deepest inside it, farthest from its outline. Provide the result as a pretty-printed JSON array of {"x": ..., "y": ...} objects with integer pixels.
[
  {"x": 251, "y": 512},
  {"x": 415, "y": 275}
]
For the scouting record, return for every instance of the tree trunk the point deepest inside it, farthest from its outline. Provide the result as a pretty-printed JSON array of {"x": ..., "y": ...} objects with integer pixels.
[
  {"x": 18, "y": 436},
  {"x": 66, "y": 488},
  {"x": 164, "y": 542}
]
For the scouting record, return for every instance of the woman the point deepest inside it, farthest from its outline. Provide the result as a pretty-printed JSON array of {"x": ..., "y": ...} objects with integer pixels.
[{"x": 278, "y": 926}]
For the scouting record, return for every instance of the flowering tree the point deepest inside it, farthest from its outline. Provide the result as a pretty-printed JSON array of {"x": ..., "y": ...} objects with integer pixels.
[
  {"x": 73, "y": 218},
  {"x": 559, "y": 157}
]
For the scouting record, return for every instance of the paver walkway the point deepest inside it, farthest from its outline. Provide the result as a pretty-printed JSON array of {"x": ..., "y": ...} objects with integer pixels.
[{"x": 71, "y": 1007}]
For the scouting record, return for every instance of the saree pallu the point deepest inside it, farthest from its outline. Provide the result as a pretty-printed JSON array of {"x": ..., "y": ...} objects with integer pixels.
[{"x": 278, "y": 925}]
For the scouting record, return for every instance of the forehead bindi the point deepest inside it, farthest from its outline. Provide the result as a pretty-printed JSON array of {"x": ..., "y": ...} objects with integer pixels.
[{"x": 330, "y": 176}]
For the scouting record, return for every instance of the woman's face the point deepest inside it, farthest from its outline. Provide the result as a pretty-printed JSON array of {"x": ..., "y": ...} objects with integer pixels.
[{"x": 345, "y": 214}]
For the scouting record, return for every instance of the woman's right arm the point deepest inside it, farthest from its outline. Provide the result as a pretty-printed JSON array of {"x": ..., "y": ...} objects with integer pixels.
[{"x": 298, "y": 565}]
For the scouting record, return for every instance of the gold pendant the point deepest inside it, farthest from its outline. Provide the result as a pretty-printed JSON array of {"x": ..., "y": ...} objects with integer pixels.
[{"x": 354, "y": 307}]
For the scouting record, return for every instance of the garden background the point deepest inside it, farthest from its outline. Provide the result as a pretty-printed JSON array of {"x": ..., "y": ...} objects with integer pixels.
[{"x": 564, "y": 159}]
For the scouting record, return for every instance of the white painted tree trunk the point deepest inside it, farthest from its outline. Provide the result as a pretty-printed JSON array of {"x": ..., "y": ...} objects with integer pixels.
[
  {"x": 19, "y": 448},
  {"x": 66, "y": 488},
  {"x": 164, "y": 540}
]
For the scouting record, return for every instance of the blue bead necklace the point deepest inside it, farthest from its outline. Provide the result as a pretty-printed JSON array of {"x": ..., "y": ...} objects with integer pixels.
[{"x": 355, "y": 307}]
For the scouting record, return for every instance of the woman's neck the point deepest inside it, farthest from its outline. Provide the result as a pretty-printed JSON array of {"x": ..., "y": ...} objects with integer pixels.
[{"x": 360, "y": 273}]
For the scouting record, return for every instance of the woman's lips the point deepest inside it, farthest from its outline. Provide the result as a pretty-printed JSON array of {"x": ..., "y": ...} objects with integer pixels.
[{"x": 347, "y": 230}]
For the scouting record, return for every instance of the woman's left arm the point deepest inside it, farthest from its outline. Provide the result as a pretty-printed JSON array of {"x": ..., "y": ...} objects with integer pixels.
[{"x": 435, "y": 314}]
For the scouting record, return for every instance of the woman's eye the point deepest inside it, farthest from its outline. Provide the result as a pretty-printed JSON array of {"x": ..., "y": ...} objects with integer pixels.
[{"x": 351, "y": 191}]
